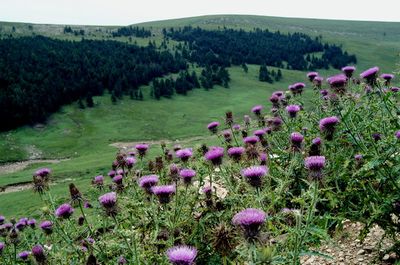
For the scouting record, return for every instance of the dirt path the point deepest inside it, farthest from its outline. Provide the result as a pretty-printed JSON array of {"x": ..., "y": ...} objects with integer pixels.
[
  {"x": 18, "y": 166},
  {"x": 130, "y": 145}
]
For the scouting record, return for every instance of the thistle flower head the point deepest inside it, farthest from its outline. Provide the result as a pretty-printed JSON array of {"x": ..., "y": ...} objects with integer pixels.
[
  {"x": 118, "y": 179},
  {"x": 187, "y": 174},
  {"x": 316, "y": 141},
  {"x": 184, "y": 154},
  {"x": 236, "y": 127},
  {"x": 387, "y": 77},
  {"x": 163, "y": 192},
  {"x": 327, "y": 125},
  {"x": 254, "y": 174},
  {"x": 296, "y": 138},
  {"x": 2, "y": 219},
  {"x": 318, "y": 80},
  {"x": 43, "y": 172},
  {"x": 312, "y": 75},
  {"x": 251, "y": 139},
  {"x": 397, "y": 134},
  {"x": 146, "y": 182},
  {"x": 64, "y": 211},
  {"x": 2, "y": 246},
  {"x": 24, "y": 255},
  {"x": 108, "y": 200},
  {"x": 377, "y": 136},
  {"x": 371, "y": 72},
  {"x": 39, "y": 254},
  {"x": 112, "y": 173},
  {"x": 236, "y": 152},
  {"x": 32, "y": 223},
  {"x": 122, "y": 261},
  {"x": 130, "y": 161},
  {"x": 182, "y": 255},
  {"x": 215, "y": 155},
  {"x": 47, "y": 227},
  {"x": 257, "y": 109},
  {"x": 250, "y": 220},
  {"x": 358, "y": 157},
  {"x": 98, "y": 180},
  {"x": 315, "y": 164},
  {"x": 338, "y": 82},
  {"x": 213, "y": 126},
  {"x": 142, "y": 149},
  {"x": 297, "y": 88},
  {"x": 292, "y": 110},
  {"x": 348, "y": 70},
  {"x": 395, "y": 89}
]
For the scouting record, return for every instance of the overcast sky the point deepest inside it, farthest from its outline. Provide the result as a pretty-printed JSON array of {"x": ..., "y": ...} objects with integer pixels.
[{"x": 124, "y": 12}]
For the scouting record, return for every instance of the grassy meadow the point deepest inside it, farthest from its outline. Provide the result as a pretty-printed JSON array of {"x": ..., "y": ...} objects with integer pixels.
[{"x": 84, "y": 136}]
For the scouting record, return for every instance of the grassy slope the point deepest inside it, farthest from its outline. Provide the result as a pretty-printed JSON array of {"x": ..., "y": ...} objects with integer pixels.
[{"x": 85, "y": 135}]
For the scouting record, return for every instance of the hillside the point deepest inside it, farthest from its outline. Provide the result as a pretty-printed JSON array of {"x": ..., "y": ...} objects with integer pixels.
[{"x": 84, "y": 136}]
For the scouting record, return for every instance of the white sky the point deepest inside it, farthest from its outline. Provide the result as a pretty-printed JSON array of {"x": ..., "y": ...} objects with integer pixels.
[{"x": 124, "y": 12}]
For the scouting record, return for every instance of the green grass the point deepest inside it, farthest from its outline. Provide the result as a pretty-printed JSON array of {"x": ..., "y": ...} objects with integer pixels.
[{"x": 84, "y": 136}]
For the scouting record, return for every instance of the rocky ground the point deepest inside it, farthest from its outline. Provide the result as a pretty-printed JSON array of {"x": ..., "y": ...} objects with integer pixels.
[{"x": 348, "y": 249}]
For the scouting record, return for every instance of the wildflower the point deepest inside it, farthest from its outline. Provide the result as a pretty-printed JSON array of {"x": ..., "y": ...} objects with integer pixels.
[
  {"x": 338, "y": 83},
  {"x": 187, "y": 175},
  {"x": 40, "y": 184},
  {"x": 292, "y": 110},
  {"x": 118, "y": 179},
  {"x": 315, "y": 164},
  {"x": 251, "y": 140},
  {"x": 38, "y": 254},
  {"x": 328, "y": 125},
  {"x": 2, "y": 219},
  {"x": 312, "y": 75},
  {"x": 370, "y": 75},
  {"x": 146, "y": 182},
  {"x": 297, "y": 88},
  {"x": 24, "y": 255},
  {"x": 98, "y": 180},
  {"x": 64, "y": 211},
  {"x": 228, "y": 118},
  {"x": 164, "y": 192},
  {"x": 227, "y": 135},
  {"x": 43, "y": 172},
  {"x": 32, "y": 223},
  {"x": 395, "y": 89},
  {"x": 247, "y": 120},
  {"x": 142, "y": 149},
  {"x": 184, "y": 154},
  {"x": 213, "y": 126},
  {"x": 274, "y": 100},
  {"x": 236, "y": 153},
  {"x": 130, "y": 161},
  {"x": 112, "y": 173},
  {"x": 318, "y": 81},
  {"x": 47, "y": 227},
  {"x": 215, "y": 155},
  {"x": 348, "y": 71},
  {"x": 397, "y": 134},
  {"x": 324, "y": 92},
  {"x": 2, "y": 246},
  {"x": 276, "y": 124},
  {"x": 315, "y": 149},
  {"x": 297, "y": 140},
  {"x": 109, "y": 202},
  {"x": 122, "y": 261},
  {"x": 358, "y": 157},
  {"x": 257, "y": 110},
  {"x": 254, "y": 175},
  {"x": 236, "y": 127},
  {"x": 387, "y": 78},
  {"x": 250, "y": 220},
  {"x": 182, "y": 255},
  {"x": 377, "y": 136},
  {"x": 75, "y": 194}
]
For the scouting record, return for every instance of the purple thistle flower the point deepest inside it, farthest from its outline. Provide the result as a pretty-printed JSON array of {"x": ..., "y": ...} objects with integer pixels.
[
  {"x": 263, "y": 159},
  {"x": 47, "y": 227},
  {"x": 358, "y": 157},
  {"x": 338, "y": 83},
  {"x": 259, "y": 133},
  {"x": 99, "y": 180},
  {"x": 2, "y": 246},
  {"x": 20, "y": 225},
  {"x": 397, "y": 134},
  {"x": 187, "y": 175},
  {"x": 257, "y": 110},
  {"x": 276, "y": 123},
  {"x": 292, "y": 110},
  {"x": 315, "y": 149},
  {"x": 108, "y": 200},
  {"x": 274, "y": 100},
  {"x": 251, "y": 140},
  {"x": 43, "y": 172},
  {"x": 227, "y": 135},
  {"x": 247, "y": 120},
  {"x": 112, "y": 173},
  {"x": 182, "y": 255},
  {"x": 250, "y": 220},
  {"x": 315, "y": 164},
  {"x": 395, "y": 89},
  {"x": 164, "y": 192},
  {"x": 215, "y": 155},
  {"x": 32, "y": 223},
  {"x": 297, "y": 88},
  {"x": 64, "y": 211},
  {"x": 312, "y": 75},
  {"x": 316, "y": 141},
  {"x": 254, "y": 175},
  {"x": 118, "y": 179},
  {"x": 38, "y": 254},
  {"x": 206, "y": 189},
  {"x": 184, "y": 154},
  {"x": 279, "y": 94},
  {"x": 236, "y": 127},
  {"x": 2, "y": 219},
  {"x": 146, "y": 182},
  {"x": 327, "y": 125},
  {"x": 318, "y": 81},
  {"x": 387, "y": 77},
  {"x": 24, "y": 255},
  {"x": 348, "y": 71},
  {"x": 142, "y": 149},
  {"x": 122, "y": 261},
  {"x": 297, "y": 140},
  {"x": 236, "y": 153},
  {"x": 377, "y": 136},
  {"x": 130, "y": 161},
  {"x": 370, "y": 75},
  {"x": 213, "y": 126}
]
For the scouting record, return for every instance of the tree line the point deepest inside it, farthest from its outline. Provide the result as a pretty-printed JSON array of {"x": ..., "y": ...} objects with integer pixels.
[
  {"x": 40, "y": 74},
  {"x": 226, "y": 47},
  {"x": 132, "y": 32}
]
